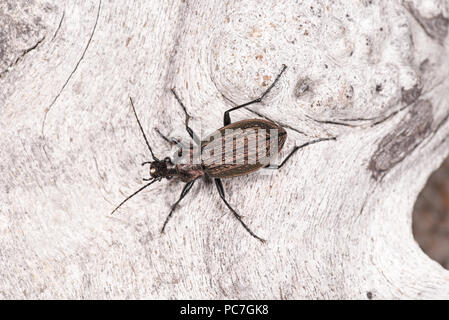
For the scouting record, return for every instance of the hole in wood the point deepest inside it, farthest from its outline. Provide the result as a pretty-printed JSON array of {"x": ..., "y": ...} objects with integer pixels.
[{"x": 431, "y": 216}]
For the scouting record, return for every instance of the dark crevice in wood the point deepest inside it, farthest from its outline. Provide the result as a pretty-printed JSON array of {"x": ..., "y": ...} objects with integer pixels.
[
  {"x": 428, "y": 132},
  {"x": 59, "y": 26},
  {"x": 377, "y": 120},
  {"x": 19, "y": 58},
  {"x": 414, "y": 92},
  {"x": 338, "y": 123},
  {"x": 410, "y": 132},
  {"x": 73, "y": 71}
]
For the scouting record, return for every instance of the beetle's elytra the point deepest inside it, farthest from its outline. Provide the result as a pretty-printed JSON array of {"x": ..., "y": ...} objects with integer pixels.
[
  {"x": 236, "y": 149},
  {"x": 245, "y": 132}
]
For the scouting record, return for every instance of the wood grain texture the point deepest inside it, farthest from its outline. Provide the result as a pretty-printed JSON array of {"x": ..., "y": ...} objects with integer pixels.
[{"x": 337, "y": 217}]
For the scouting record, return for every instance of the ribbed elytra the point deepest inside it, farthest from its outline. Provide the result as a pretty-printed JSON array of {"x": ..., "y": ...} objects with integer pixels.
[
  {"x": 249, "y": 148},
  {"x": 236, "y": 149}
]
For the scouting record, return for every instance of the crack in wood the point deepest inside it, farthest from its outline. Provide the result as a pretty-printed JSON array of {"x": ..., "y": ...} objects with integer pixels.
[
  {"x": 73, "y": 71},
  {"x": 409, "y": 95},
  {"x": 19, "y": 58},
  {"x": 338, "y": 123},
  {"x": 59, "y": 26}
]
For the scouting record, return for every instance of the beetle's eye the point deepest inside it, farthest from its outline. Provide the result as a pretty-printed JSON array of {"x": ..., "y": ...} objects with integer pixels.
[{"x": 152, "y": 171}]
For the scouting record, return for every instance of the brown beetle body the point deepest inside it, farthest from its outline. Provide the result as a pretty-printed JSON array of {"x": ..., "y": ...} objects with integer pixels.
[
  {"x": 245, "y": 146},
  {"x": 236, "y": 159}
]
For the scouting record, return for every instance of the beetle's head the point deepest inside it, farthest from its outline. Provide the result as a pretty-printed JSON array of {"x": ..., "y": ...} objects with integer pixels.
[{"x": 160, "y": 168}]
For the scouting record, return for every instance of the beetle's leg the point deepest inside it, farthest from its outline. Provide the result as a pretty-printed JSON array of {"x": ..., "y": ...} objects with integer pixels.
[
  {"x": 227, "y": 118},
  {"x": 278, "y": 166},
  {"x": 184, "y": 192},
  {"x": 189, "y": 130},
  {"x": 171, "y": 141},
  {"x": 239, "y": 218}
]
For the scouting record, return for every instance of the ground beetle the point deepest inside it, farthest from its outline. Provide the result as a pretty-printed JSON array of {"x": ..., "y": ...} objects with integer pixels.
[{"x": 217, "y": 170}]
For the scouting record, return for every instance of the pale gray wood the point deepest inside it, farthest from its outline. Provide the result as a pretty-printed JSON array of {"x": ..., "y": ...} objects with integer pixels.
[{"x": 337, "y": 217}]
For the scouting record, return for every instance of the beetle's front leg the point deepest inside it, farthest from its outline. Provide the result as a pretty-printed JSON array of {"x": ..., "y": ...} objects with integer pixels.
[
  {"x": 184, "y": 192},
  {"x": 189, "y": 130},
  {"x": 171, "y": 141}
]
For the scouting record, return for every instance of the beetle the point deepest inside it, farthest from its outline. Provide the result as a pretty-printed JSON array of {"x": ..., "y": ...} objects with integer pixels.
[{"x": 247, "y": 135}]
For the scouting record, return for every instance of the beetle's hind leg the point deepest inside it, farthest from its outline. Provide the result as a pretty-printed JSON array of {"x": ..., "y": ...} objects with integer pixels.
[
  {"x": 189, "y": 130},
  {"x": 278, "y": 166},
  {"x": 227, "y": 117},
  {"x": 239, "y": 218},
  {"x": 184, "y": 192}
]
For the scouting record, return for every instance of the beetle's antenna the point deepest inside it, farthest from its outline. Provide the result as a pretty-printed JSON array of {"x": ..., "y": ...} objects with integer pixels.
[
  {"x": 129, "y": 197},
  {"x": 141, "y": 129}
]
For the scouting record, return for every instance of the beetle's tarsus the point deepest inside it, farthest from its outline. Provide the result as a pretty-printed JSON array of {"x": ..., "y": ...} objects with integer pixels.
[{"x": 239, "y": 218}]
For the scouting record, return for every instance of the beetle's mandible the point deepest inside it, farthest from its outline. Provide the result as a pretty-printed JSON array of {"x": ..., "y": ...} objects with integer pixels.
[{"x": 237, "y": 151}]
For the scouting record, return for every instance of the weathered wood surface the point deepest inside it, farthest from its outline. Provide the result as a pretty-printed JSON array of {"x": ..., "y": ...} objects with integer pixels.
[{"x": 337, "y": 217}]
